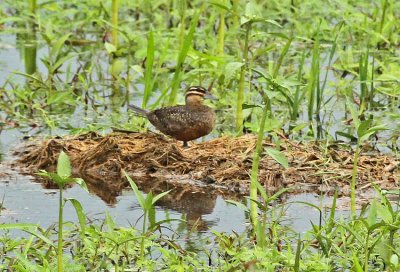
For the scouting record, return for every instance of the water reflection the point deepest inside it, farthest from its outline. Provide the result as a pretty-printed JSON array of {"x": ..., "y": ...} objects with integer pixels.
[
  {"x": 194, "y": 205},
  {"x": 30, "y": 48},
  {"x": 188, "y": 200}
]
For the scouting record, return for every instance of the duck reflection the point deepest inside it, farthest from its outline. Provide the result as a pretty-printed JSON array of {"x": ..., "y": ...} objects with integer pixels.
[{"x": 184, "y": 197}]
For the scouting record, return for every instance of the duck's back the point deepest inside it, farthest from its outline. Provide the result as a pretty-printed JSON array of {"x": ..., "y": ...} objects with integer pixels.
[{"x": 184, "y": 123}]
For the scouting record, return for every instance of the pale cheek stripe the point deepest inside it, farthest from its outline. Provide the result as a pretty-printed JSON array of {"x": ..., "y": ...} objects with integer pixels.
[{"x": 195, "y": 93}]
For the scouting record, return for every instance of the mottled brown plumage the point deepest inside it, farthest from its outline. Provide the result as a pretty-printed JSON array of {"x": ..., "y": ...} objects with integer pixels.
[{"x": 185, "y": 122}]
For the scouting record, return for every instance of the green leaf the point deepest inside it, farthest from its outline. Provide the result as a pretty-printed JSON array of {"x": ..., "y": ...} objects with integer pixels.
[
  {"x": 56, "y": 49},
  {"x": 110, "y": 48},
  {"x": 262, "y": 20},
  {"x": 356, "y": 264},
  {"x": 247, "y": 106},
  {"x": 299, "y": 127},
  {"x": 36, "y": 79},
  {"x": 20, "y": 226},
  {"x": 363, "y": 127},
  {"x": 117, "y": 67},
  {"x": 64, "y": 169},
  {"x": 372, "y": 131},
  {"x": 372, "y": 214},
  {"x": 225, "y": 5},
  {"x": 272, "y": 124},
  {"x": 238, "y": 204},
  {"x": 148, "y": 76},
  {"x": 297, "y": 258},
  {"x": 79, "y": 212},
  {"x": 136, "y": 191},
  {"x": 81, "y": 183},
  {"x": 354, "y": 113},
  {"x": 61, "y": 61},
  {"x": 28, "y": 228},
  {"x": 53, "y": 176},
  {"x": 260, "y": 73},
  {"x": 384, "y": 213},
  {"x": 261, "y": 190},
  {"x": 274, "y": 196},
  {"x": 58, "y": 97},
  {"x": 148, "y": 201},
  {"x": 253, "y": 14},
  {"x": 251, "y": 11},
  {"x": 109, "y": 222},
  {"x": 231, "y": 69},
  {"x": 394, "y": 260},
  {"x": 278, "y": 156},
  {"x": 24, "y": 264},
  {"x": 187, "y": 42},
  {"x": 346, "y": 135},
  {"x": 138, "y": 69},
  {"x": 151, "y": 214},
  {"x": 157, "y": 197}
]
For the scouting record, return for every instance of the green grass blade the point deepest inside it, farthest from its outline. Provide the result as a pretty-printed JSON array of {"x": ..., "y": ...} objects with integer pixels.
[
  {"x": 297, "y": 258},
  {"x": 28, "y": 228},
  {"x": 148, "y": 75},
  {"x": 56, "y": 48},
  {"x": 181, "y": 58},
  {"x": 79, "y": 212},
  {"x": 281, "y": 57},
  {"x": 157, "y": 197},
  {"x": 313, "y": 80},
  {"x": 136, "y": 191}
]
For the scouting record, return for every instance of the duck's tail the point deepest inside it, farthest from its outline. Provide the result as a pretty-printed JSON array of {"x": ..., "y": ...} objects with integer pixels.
[{"x": 139, "y": 110}]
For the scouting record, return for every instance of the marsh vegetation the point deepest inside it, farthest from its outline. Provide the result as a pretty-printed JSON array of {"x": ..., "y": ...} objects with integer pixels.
[{"x": 308, "y": 100}]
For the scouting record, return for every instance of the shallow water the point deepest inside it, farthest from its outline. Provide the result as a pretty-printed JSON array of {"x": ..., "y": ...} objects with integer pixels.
[{"x": 28, "y": 202}]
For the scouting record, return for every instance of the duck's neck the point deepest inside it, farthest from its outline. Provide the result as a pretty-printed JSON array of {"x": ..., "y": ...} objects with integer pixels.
[{"x": 194, "y": 100}]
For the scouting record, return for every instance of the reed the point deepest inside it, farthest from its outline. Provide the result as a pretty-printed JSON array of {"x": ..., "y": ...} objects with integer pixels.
[
  {"x": 221, "y": 33},
  {"x": 255, "y": 166},
  {"x": 383, "y": 17},
  {"x": 32, "y": 6},
  {"x": 148, "y": 75},
  {"x": 114, "y": 22},
  {"x": 254, "y": 184},
  {"x": 365, "y": 97},
  {"x": 364, "y": 129},
  {"x": 30, "y": 48},
  {"x": 181, "y": 58},
  {"x": 313, "y": 82},
  {"x": 300, "y": 90},
  {"x": 243, "y": 70},
  {"x": 115, "y": 63}
]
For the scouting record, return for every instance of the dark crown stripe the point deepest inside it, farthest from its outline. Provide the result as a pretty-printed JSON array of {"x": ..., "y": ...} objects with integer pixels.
[{"x": 197, "y": 89}]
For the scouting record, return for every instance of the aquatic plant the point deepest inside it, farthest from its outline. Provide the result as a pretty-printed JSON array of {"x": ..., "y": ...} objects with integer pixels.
[
  {"x": 62, "y": 178},
  {"x": 148, "y": 207}
]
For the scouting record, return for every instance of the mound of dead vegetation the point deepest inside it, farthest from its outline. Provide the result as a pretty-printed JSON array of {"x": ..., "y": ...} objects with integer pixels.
[{"x": 219, "y": 166}]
